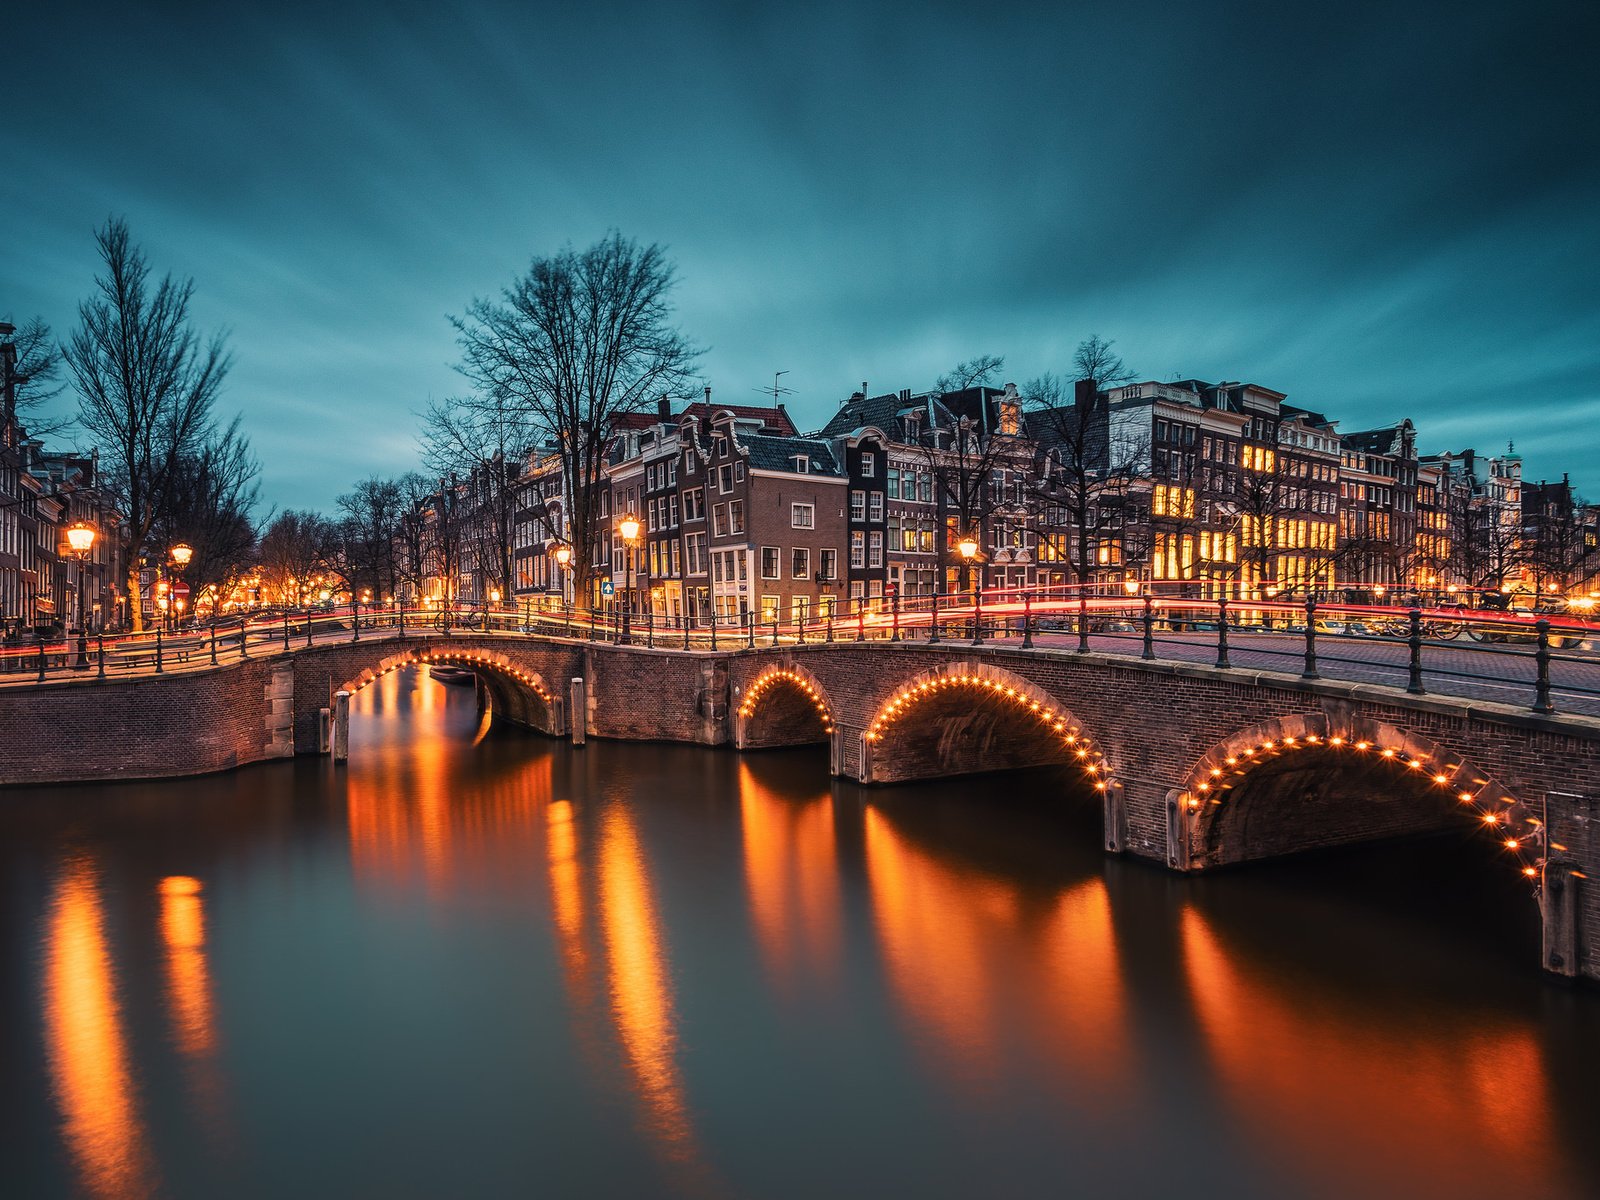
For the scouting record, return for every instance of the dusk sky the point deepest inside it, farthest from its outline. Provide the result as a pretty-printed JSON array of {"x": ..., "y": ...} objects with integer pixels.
[{"x": 1383, "y": 210}]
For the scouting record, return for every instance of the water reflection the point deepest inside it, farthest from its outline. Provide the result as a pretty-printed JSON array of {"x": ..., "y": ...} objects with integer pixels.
[
  {"x": 1453, "y": 1101},
  {"x": 458, "y": 968},
  {"x": 88, "y": 1052},
  {"x": 987, "y": 968},
  {"x": 791, "y": 871}
]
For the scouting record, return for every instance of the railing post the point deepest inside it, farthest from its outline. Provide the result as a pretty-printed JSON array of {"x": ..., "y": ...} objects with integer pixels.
[
  {"x": 1222, "y": 634},
  {"x": 309, "y": 629},
  {"x": 158, "y": 654},
  {"x": 830, "y": 624},
  {"x": 1027, "y": 621},
  {"x": 750, "y": 630},
  {"x": 685, "y": 619},
  {"x": 1414, "y": 685},
  {"x": 213, "y": 641},
  {"x": 1083, "y": 620},
  {"x": 1541, "y": 701},
  {"x": 800, "y": 636},
  {"x": 714, "y": 631},
  {"x": 41, "y": 657},
  {"x": 895, "y": 603},
  {"x": 100, "y": 649},
  {"x": 355, "y": 620},
  {"x": 1149, "y": 629},
  {"x": 861, "y": 623},
  {"x": 286, "y": 631},
  {"x": 933, "y": 625},
  {"x": 774, "y": 629},
  {"x": 650, "y": 628},
  {"x": 402, "y": 620},
  {"x": 1310, "y": 671},
  {"x": 977, "y": 616}
]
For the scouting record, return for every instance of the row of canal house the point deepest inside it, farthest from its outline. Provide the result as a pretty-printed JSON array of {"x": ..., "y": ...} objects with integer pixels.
[{"x": 1223, "y": 488}]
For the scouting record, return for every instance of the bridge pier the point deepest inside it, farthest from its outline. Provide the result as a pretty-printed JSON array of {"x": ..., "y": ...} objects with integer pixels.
[{"x": 341, "y": 726}]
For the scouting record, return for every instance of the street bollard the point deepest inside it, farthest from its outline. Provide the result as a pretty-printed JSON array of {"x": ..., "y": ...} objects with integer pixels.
[
  {"x": 977, "y": 616},
  {"x": 244, "y": 637},
  {"x": 1222, "y": 634},
  {"x": 213, "y": 643},
  {"x": 1083, "y": 621},
  {"x": 1310, "y": 671},
  {"x": 1542, "y": 703},
  {"x": 933, "y": 625},
  {"x": 1149, "y": 629},
  {"x": 1027, "y": 621},
  {"x": 100, "y": 652},
  {"x": 41, "y": 661},
  {"x": 158, "y": 656},
  {"x": 1414, "y": 685},
  {"x": 895, "y": 636}
]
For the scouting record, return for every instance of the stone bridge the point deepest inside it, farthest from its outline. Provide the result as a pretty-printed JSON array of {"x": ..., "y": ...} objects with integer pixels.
[{"x": 1195, "y": 767}]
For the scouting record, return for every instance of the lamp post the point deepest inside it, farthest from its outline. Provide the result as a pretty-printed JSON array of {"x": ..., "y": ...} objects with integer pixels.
[
  {"x": 968, "y": 546},
  {"x": 181, "y": 553},
  {"x": 81, "y": 538},
  {"x": 628, "y": 527}
]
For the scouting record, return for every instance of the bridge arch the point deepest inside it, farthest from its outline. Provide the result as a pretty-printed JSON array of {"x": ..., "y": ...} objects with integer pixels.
[
  {"x": 967, "y": 717},
  {"x": 514, "y": 691},
  {"x": 1324, "y": 779},
  {"x": 786, "y": 705}
]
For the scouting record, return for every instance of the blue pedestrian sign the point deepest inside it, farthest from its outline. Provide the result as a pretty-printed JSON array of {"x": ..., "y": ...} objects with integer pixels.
[{"x": 606, "y": 589}]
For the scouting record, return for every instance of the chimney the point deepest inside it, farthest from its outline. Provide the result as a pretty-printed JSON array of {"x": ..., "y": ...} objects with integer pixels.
[
  {"x": 708, "y": 395},
  {"x": 863, "y": 389},
  {"x": 664, "y": 409},
  {"x": 905, "y": 395}
]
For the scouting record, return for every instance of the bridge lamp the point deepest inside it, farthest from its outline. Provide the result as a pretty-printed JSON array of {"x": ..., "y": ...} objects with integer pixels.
[
  {"x": 181, "y": 554},
  {"x": 1131, "y": 586},
  {"x": 80, "y": 537},
  {"x": 563, "y": 555},
  {"x": 494, "y": 595},
  {"x": 968, "y": 546},
  {"x": 628, "y": 527}
]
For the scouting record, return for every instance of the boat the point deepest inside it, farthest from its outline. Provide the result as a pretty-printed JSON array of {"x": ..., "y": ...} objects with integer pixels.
[{"x": 453, "y": 676}]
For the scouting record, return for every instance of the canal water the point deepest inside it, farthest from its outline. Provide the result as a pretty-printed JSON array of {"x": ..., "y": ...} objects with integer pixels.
[{"x": 476, "y": 964}]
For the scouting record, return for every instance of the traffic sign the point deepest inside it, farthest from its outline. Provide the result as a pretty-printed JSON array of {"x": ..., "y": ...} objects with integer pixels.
[
  {"x": 606, "y": 589},
  {"x": 180, "y": 590}
]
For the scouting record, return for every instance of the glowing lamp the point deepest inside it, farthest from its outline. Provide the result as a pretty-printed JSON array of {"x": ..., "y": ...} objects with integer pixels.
[
  {"x": 81, "y": 538},
  {"x": 182, "y": 553},
  {"x": 628, "y": 527},
  {"x": 1131, "y": 586},
  {"x": 968, "y": 547},
  {"x": 494, "y": 595},
  {"x": 563, "y": 555}
]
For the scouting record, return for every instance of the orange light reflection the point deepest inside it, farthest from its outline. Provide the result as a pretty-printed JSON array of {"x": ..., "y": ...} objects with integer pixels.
[
  {"x": 791, "y": 872},
  {"x": 86, "y": 1047},
  {"x": 1456, "y": 1105}
]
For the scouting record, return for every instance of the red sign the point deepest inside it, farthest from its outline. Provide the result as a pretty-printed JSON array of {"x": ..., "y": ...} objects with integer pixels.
[{"x": 180, "y": 590}]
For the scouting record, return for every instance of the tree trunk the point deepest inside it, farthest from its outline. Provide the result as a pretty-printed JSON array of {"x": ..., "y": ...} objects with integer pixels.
[{"x": 135, "y": 597}]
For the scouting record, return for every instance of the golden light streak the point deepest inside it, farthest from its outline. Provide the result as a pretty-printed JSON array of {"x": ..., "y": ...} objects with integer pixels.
[{"x": 87, "y": 1053}]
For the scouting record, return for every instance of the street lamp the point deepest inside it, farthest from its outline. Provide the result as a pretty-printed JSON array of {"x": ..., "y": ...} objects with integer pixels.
[
  {"x": 628, "y": 527},
  {"x": 1131, "y": 586},
  {"x": 968, "y": 545},
  {"x": 181, "y": 553},
  {"x": 80, "y": 537}
]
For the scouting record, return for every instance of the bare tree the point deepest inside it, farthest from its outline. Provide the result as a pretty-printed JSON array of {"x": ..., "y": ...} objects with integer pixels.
[
  {"x": 412, "y": 535},
  {"x": 209, "y": 506},
  {"x": 35, "y": 378},
  {"x": 973, "y": 372},
  {"x": 1098, "y": 364},
  {"x": 1082, "y": 474},
  {"x": 582, "y": 338},
  {"x": 486, "y": 444},
  {"x": 296, "y": 548},
  {"x": 147, "y": 384},
  {"x": 370, "y": 536}
]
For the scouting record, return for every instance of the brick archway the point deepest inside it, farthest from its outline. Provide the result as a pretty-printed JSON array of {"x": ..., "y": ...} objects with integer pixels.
[
  {"x": 965, "y": 717},
  {"x": 1320, "y": 779},
  {"x": 515, "y": 692},
  {"x": 786, "y": 705}
]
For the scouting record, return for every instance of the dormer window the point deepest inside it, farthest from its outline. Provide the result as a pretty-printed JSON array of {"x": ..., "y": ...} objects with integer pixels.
[{"x": 802, "y": 464}]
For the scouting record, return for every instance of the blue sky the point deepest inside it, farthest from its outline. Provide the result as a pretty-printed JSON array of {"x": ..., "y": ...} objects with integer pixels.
[{"x": 1385, "y": 210}]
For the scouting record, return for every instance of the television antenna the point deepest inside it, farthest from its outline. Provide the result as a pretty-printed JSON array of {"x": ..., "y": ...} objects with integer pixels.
[{"x": 777, "y": 390}]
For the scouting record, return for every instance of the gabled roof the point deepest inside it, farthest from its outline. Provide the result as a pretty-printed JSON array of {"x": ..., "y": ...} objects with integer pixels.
[
  {"x": 779, "y": 454},
  {"x": 887, "y": 413},
  {"x": 1390, "y": 439}
]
